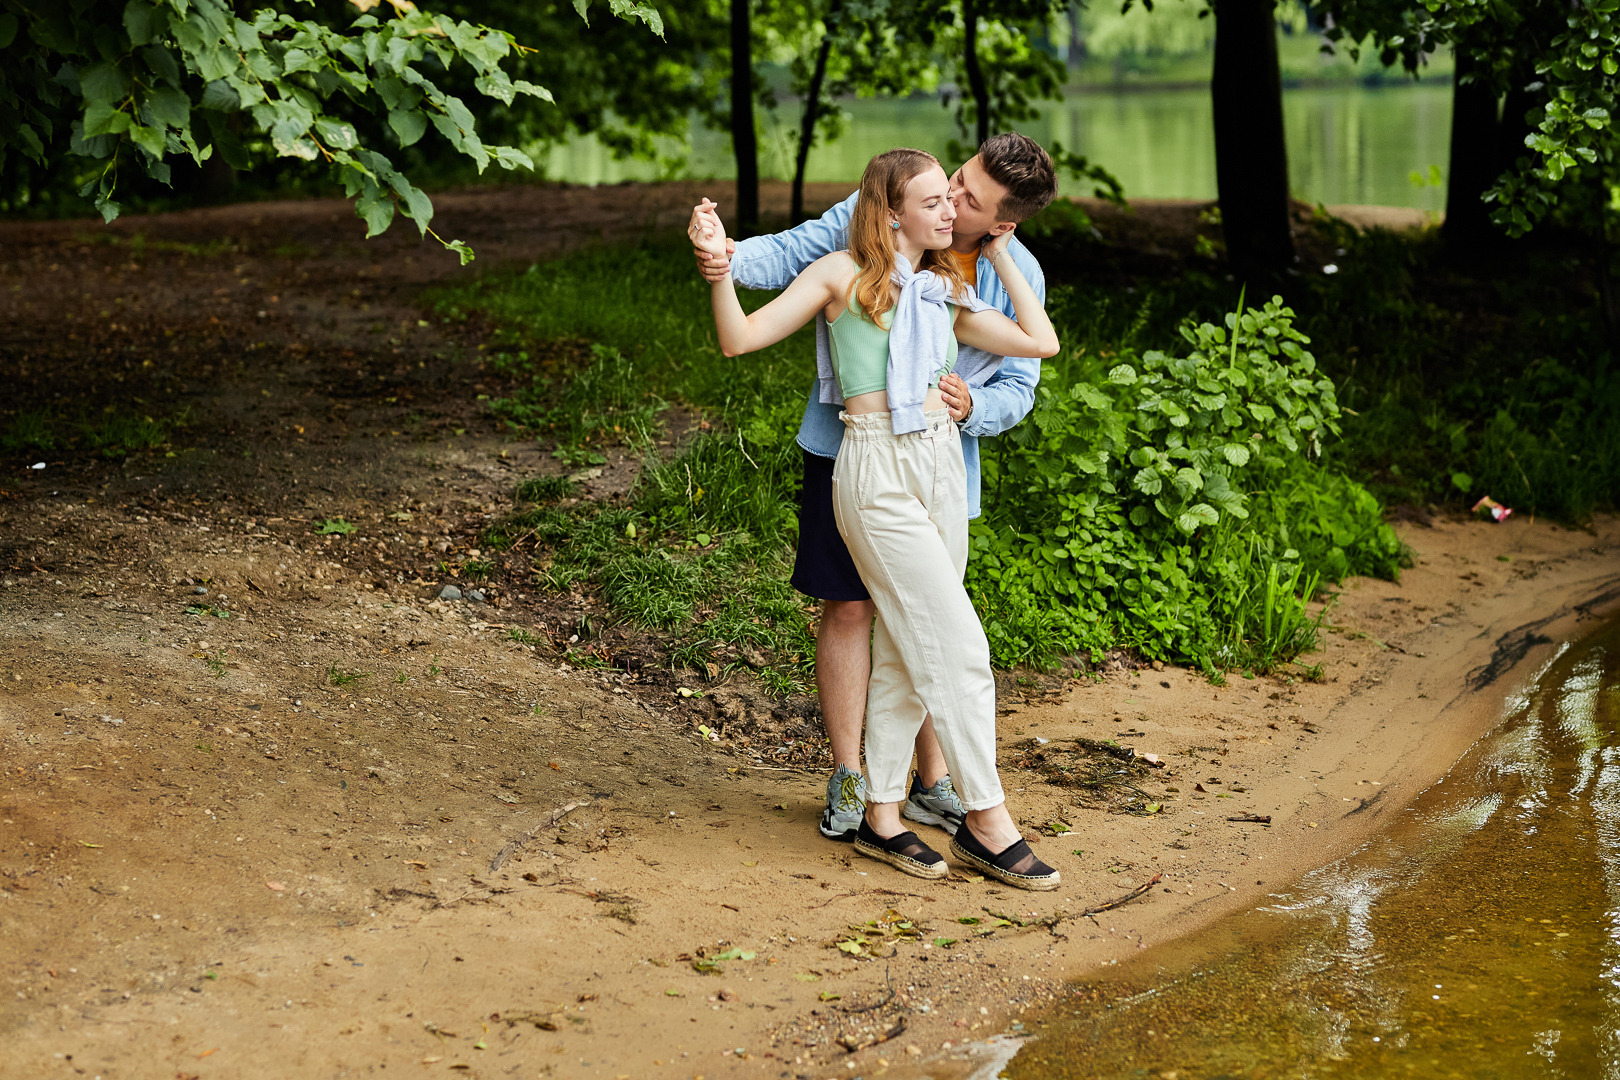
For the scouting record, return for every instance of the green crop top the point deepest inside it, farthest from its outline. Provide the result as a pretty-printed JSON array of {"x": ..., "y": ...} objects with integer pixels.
[{"x": 860, "y": 351}]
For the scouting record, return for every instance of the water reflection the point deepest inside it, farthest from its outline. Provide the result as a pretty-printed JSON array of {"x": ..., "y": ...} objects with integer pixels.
[
  {"x": 1349, "y": 144},
  {"x": 1478, "y": 938}
]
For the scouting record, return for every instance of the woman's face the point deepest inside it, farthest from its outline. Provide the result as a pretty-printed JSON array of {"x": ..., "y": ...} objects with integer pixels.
[{"x": 928, "y": 213}]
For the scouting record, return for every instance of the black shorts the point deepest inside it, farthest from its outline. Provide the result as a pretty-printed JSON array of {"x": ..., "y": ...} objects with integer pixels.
[{"x": 822, "y": 567}]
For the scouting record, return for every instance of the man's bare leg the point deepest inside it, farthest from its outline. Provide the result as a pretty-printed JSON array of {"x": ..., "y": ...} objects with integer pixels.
[
  {"x": 843, "y": 667},
  {"x": 931, "y": 768}
]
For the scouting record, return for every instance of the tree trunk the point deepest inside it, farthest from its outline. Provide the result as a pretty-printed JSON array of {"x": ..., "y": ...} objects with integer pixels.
[
  {"x": 812, "y": 109},
  {"x": 1606, "y": 295},
  {"x": 1251, "y": 152},
  {"x": 975, "y": 74},
  {"x": 744, "y": 142},
  {"x": 1475, "y": 160}
]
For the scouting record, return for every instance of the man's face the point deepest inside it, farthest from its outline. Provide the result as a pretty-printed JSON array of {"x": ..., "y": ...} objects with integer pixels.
[{"x": 978, "y": 200}]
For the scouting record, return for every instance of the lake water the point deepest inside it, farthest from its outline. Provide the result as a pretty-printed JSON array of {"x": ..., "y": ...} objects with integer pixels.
[
  {"x": 1479, "y": 938},
  {"x": 1351, "y": 144}
]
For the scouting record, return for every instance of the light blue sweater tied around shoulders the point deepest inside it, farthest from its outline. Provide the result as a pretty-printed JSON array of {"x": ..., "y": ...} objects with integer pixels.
[
  {"x": 919, "y": 338},
  {"x": 773, "y": 261}
]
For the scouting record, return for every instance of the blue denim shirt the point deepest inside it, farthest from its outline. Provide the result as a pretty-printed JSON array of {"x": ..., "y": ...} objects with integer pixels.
[{"x": 772, "y": 262}]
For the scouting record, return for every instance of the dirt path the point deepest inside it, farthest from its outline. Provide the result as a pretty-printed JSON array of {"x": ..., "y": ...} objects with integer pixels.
[{"x": 269, "y": 808}]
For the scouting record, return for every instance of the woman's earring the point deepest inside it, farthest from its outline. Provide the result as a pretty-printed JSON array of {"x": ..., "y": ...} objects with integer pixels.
[{"x": 894, "y": 224}]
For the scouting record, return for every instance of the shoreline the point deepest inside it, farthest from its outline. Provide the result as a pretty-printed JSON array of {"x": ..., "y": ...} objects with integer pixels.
[{"x": 1417, "y": 739}]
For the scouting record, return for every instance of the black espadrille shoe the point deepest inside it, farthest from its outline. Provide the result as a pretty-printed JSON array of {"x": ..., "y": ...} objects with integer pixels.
[
  {"x": 904, "y": 852},
  {"x": 1017, "y": 865}
]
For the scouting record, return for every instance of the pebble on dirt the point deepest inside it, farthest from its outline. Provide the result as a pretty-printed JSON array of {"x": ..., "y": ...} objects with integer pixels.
[
  {"x": 475, "y": 596},
  {"x": 449, "y": 592}
]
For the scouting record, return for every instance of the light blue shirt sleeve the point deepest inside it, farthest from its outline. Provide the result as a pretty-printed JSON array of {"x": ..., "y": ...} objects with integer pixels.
[
  {"x": 772, "y": 262},
  {"x": 1009, "y": 394}
]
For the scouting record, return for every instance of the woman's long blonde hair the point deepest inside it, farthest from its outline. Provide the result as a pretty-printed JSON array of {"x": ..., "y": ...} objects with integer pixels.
[{"x": 871, "y": 240}]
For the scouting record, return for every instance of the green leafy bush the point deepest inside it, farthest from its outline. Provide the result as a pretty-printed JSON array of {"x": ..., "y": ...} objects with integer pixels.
[{"x": 1145, "y": 503}]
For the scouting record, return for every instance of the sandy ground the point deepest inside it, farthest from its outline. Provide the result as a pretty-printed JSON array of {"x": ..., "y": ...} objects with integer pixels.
[{"x": 351, "y": 829}]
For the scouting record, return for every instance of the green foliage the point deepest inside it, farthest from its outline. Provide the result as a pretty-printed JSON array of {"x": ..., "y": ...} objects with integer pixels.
[
  {"x": 1563, "y": 59},
  {"x": 335, "y": 527},
  {"x": 130, "y": 85},
  {"x": 1149, "y": 498},
  {"x": 1177, "y": 503},
  {"x": 609, "y": 78},
  {"x": 606, "y": 402},
  {"x": 545, "y": 489},
  {"x": 115, "y": 432},
  {"x": 343, "y": 677}
]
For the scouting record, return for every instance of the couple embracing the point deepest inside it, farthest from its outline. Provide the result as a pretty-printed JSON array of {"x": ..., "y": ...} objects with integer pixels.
[{"x": 915, "y": 283}]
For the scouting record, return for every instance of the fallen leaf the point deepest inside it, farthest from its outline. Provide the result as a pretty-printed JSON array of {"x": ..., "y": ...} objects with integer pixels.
[
  {"x": 754, "y": 863},
  {"x": 944, "y": 942},
  {"x": 672, "y": 993},
  {"x": 205, "y": 1053},
  {"x": 806, "y": 976},
  {"x": 433, "y": 1060},
  {"x": 828, "y": 995},
  {"x": 275, "y": 886},
  {"x": 85, "y": 843}
]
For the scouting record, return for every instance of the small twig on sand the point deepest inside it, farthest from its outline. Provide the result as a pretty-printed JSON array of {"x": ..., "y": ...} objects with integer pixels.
[
  {"x": 1258, "y": 819},
  {"x": 1050, "y": 922},
  {"x": 1140, "y": 890},
  {"x": 852, "y": 1043},
  {"x": 880, "y": 1003},
  {"x": 517, "y": 845}
]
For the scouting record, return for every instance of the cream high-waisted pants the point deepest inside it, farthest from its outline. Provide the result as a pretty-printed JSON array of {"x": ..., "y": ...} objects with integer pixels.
[{"x": 901, "y": 506}]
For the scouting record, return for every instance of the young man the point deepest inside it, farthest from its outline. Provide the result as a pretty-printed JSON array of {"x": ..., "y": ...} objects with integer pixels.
[{"x": 1007, "y": 181}]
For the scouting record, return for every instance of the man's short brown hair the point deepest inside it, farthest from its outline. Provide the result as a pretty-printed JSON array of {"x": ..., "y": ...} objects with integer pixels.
[{"x": 1018, "y": 163}]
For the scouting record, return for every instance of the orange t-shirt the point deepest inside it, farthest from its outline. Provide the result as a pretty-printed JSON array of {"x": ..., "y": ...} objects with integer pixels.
[{"x": 968, "y": 263}]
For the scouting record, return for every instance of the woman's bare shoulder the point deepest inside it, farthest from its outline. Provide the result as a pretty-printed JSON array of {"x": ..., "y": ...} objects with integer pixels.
[{"x": 835, "y": 263}]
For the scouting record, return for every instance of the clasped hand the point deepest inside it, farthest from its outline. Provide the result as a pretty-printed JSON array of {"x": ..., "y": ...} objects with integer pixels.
[{"x": 710, "y": 243}]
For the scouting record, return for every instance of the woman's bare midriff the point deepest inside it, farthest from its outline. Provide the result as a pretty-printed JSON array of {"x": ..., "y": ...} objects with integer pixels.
[{"x": 878, "y": 401}]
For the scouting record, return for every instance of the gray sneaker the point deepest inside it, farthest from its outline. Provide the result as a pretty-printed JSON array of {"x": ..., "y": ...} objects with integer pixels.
[
  {"x": 937, "y": 805},
  {"x": 846, "y": 805}
]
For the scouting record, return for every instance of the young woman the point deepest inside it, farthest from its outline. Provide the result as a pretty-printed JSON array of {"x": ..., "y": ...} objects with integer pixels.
[{"x": 896, "y": 306}]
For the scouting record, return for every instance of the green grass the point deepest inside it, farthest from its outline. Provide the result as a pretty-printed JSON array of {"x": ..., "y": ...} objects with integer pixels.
[
  {"x": 339, "y": 677},
  {"x": 115, "y": 432},
  {"x": 335, "y": 527}
]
